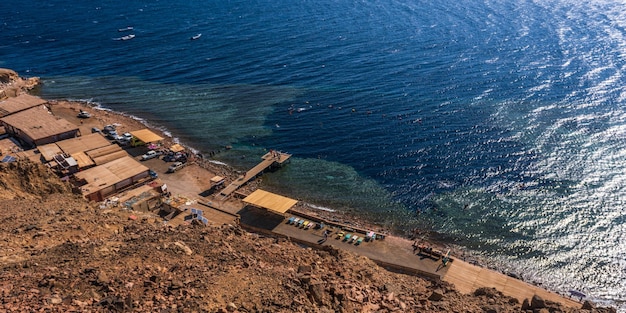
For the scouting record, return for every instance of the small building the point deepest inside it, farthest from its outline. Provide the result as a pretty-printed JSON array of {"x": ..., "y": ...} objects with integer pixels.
[
  {"x": 20, "y": 103},
  {"x": 37, "y": 126},
  {"x": 79, "y": 146},
  {"x": 83, "y": 143},
  {"x": 97, "y": 183},
  {"x": 83, "y": 149},
  {"x": 217, "y": 182}
]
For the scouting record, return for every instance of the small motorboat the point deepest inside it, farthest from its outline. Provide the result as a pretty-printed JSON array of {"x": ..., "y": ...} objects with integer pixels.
[
  {"x": 84, "y": 114},
  {"x": 128, "y": 37},
  {"x": 196, "y": 37},
  {"x": 125, "y": 29}
]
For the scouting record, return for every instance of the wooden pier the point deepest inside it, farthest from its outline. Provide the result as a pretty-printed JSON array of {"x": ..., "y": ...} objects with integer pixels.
[{"x": 269, "y": 159}]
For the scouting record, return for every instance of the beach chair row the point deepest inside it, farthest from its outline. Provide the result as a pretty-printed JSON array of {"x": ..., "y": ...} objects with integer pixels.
[
  {"x": 302, "y": 223},
  {"x": 349, "y": 238}
]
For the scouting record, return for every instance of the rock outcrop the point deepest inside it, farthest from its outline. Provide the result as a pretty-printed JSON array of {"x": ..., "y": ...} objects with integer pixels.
[{"x": 11, "y": 84}]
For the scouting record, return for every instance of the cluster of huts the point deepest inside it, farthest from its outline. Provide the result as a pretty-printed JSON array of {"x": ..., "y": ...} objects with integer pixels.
[{"x": 97, "y": 167}]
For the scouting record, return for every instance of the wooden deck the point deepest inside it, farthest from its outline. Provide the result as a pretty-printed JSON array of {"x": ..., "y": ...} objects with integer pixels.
[{"x": 268, "y": 160}]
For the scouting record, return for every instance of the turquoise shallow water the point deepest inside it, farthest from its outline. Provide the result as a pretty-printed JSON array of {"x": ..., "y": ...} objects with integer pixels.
[{"x": 500, "y": 126}]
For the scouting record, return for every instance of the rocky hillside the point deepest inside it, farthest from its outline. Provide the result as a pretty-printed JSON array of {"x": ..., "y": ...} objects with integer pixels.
[
  {"x": 59, "y": 253},
  {"x": 12, "y": 84},
  {"x": 27, "y": 180}
]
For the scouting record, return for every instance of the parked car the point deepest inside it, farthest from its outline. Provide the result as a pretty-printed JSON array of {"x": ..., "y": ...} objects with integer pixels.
[
  {"x": 84, "y": 114},
  {"x": 127, "y": 136},
  {"x": 113, "y": 135},
  {"x": 122, "y": 141},
  {"x": 153, "y": 174},
  {"x": 173, "y": 157},
  {"x": 170, "y": 157},
  {"x": 150, "y": 155},
  {"x": 175, "y": 167},
  {"x": 96, "y": 130},
  {"x": 108, "y": 128}
]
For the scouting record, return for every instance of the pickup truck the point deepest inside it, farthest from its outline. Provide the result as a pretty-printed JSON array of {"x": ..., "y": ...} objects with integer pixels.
[
  {"x": 150, "y": 155},
  {"x": 175, "y": 167}
]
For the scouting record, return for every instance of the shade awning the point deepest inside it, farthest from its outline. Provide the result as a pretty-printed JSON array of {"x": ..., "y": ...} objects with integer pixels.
[
  {"x": 270, "y": 201},
  {"x": 146, "y": 135},
  {"x": 177, "y": 148},
  {"x": 217, "y": 179}
]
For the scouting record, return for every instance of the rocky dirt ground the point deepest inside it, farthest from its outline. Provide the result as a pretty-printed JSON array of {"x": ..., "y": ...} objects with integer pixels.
[{"x": 59, "y": 253}]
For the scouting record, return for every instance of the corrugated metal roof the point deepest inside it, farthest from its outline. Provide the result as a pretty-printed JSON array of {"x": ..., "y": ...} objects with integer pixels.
[
  {"x": 37, "y": 123},
  {"x": 83, "y": 160},
  {"x": 83, "y": 143},
  {"x": 109, "y": 157},
  {"x": 98, "y": 152},
  {"x": 49, "y": 151},
  {"x": 109, "y": 174},
  {"x": 19, "y": 103}
]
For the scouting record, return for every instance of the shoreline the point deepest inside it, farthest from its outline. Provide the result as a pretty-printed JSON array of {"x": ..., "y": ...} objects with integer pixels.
[
  {"x": 109, "y": 116},
  {"x": 130, "y": 122},
  {"x": 401, "y": 239}
]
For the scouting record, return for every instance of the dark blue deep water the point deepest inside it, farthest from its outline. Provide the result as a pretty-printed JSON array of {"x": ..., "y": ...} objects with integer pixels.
[{"x": 499, "y": 125}]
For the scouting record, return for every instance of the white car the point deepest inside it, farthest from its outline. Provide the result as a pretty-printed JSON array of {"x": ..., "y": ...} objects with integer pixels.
[
  {"x": 175, "y": 167},
  {"x": 150, "y": 155}
]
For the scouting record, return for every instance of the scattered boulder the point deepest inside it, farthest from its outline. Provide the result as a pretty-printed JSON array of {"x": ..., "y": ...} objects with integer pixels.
[
  {"x": 7, "y": 75},
  {"x": 231, "y": 307},
  {"x": 537, "y": 302},
  {"x": 436, "y": 295},
  {"x": 183, "y": 247}
]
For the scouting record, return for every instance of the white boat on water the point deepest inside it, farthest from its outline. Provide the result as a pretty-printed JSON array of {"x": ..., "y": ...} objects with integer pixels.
[
  {"x": 127, "y": 37},
  {"x": 125, "y": 29},
  {"x": 196, "y": 37}
]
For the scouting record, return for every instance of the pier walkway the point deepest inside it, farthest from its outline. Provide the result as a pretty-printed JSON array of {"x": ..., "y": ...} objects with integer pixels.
[{"x": 269, "y": 159}]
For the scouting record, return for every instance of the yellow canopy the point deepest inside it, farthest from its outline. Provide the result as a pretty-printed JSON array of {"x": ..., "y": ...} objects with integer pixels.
[
  {"x": 146, "y": 135},
  {"x": 217, "y": 179},
  {"x": 176, "y": 148},
  {"x": 270, "y": 201}
]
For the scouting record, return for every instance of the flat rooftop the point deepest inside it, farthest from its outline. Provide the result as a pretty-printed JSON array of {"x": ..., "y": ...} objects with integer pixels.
[
  {"x": 109, "y": 174},
  {"x": 19, "y": 103},
  {"x": 38, "y": 123}
]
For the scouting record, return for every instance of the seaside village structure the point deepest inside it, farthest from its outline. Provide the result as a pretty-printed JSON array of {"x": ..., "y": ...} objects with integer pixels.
[
  {"x": 96, "y": 167},
  {"x": 108, "y": 171}
]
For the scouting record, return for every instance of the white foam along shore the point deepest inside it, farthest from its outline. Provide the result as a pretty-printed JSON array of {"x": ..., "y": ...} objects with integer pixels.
[{"x": 321, "y": 208}]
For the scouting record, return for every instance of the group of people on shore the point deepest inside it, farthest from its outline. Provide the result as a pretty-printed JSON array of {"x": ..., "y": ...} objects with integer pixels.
[{"x": 420, "y": 248}]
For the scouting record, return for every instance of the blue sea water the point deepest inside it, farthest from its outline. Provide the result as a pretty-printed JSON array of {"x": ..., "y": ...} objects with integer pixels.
[{"x": 500, "y": 126}]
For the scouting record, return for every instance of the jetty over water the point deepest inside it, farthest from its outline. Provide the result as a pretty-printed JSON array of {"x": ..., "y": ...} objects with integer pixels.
[{"x": 272, "y": 158}]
